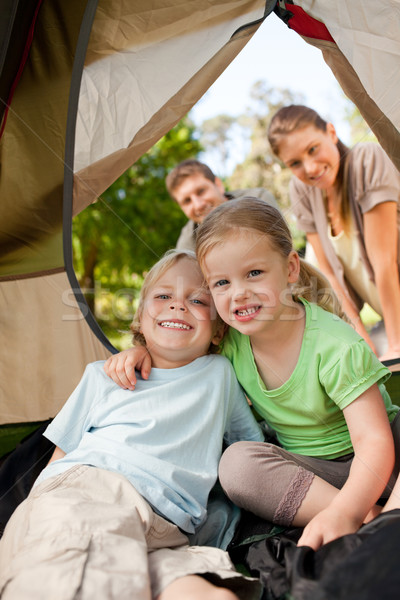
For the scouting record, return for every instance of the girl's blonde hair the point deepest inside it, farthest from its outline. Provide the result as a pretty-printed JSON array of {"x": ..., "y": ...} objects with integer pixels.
[
  {"x": 254, "y": 214},
  {"x": 168, "y": 260},
  {"x": 296, "y": 116}
]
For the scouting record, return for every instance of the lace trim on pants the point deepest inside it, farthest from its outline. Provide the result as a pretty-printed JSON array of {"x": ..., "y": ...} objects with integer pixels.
[{"x": 293, "y": 497}]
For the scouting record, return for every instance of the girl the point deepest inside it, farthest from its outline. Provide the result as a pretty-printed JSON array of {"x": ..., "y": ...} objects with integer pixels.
[
  {"x": 306, "y": 371},
  {"x": 347, "y": 202}
]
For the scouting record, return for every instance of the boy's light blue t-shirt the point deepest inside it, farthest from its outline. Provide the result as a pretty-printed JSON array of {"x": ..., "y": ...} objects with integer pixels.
[{"x": 165, "y": 437}]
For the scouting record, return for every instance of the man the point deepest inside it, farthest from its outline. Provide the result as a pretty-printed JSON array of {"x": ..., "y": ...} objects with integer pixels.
[{"x": 198, "y": 191}]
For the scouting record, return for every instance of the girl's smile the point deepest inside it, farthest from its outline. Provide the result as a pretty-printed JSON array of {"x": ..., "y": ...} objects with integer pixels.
[
  {"x": 249, "y": 281},
  {"x": 247, "y": 313}
]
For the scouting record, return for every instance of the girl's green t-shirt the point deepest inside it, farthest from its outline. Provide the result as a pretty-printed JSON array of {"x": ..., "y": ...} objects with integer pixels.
[{"x": 335, "y": 367}]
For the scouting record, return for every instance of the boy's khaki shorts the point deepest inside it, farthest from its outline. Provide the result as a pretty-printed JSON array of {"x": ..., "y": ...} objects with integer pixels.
[{"x": 89, "y": 534}]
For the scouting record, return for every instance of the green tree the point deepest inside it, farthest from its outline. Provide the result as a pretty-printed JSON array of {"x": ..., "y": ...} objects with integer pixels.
[
  {"x": 359, "y": 129},
  {"x": 118, "y": 237},
  {"x": 260, "y": 167},
  {"x": 217, "y": 136}
]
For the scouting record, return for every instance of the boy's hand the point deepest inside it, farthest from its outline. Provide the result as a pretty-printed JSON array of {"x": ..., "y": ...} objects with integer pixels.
[
  {"x": 121, "y": 367},
  {"x": 326, "y": 526}
]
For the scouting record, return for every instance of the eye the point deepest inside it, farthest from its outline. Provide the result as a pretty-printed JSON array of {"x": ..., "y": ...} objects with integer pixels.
[
  {"x": 254, "y": 273},
  {"x": 221, "y": 283},
  {"x": 313, "y": 149},
  {"x": 163, "y": 297},
  {"x": 198, "y": 301},
  {"x": 294, "y": 165}
]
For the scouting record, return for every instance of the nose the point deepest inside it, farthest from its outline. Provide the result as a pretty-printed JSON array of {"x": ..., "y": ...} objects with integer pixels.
[
  {"x": 177, "y": 305},
  {"x": 240, "y": 294},
  {"x": 310, "y": 166},
  {"x": 199, "y": 203}
]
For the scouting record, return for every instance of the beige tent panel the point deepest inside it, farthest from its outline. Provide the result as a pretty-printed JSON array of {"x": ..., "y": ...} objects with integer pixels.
[
  {"x": 32, "y": 148},
  {"x": 89, "y": 183},
  {"x": 386, "y": 133},
  {"x": 367, "y": 33},
  {"x": 60, "y": 343},
  {"x": 130, "y": 100},
  {"x": 122, "y": 90}
]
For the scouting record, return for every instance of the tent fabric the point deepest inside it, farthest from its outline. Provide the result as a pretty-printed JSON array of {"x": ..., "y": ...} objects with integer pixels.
[
  {"x": 54, "y": 339},
  {"x": 43, "y": 354},
  {"x": 32, "y": 148},
  {"x": 367, "y": 33},
  {"x": 363, "y": 54},
  {"x": 20, "y": 469},
  {"x": 143, "y": 74}
]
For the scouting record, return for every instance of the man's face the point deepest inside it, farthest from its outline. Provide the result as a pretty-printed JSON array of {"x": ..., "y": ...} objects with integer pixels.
[{"x": 197, "y": 196}]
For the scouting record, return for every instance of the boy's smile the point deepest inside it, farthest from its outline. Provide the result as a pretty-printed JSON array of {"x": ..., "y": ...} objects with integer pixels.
[
  {"x": 181, "y": 325},
  {"x": 176, "y": 318}
]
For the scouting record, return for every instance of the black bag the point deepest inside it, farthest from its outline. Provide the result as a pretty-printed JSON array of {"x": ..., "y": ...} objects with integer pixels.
[
  {"x": 19, "y": 470},
  {"x": 360, "y": 566}
]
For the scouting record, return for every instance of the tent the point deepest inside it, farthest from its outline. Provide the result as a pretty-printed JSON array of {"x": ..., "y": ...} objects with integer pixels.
[{"x": 86, "y": 88}]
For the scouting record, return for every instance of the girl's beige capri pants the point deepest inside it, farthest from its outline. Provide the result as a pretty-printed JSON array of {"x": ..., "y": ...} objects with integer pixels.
[{"x": 270, "y": 482}]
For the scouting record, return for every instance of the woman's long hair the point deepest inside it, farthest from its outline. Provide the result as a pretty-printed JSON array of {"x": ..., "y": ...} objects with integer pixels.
[{"x": 296, "y": 116}]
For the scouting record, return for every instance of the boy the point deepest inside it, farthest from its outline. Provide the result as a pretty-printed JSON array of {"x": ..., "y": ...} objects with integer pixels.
[{"x": 131, "y": 472}]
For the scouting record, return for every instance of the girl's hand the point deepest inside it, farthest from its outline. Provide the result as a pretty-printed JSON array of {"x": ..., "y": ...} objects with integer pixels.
[
  {"x": 326, "y": 526},
  {"x": 121, "y": 367}
]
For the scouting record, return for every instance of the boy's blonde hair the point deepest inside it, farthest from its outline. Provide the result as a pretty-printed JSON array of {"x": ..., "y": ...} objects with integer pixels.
[
  {"x": 168, "y": 260},
  {"x": 254, "y": 214}
]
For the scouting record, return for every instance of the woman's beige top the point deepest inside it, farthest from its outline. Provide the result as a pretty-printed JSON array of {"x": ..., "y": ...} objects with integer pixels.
[
  {"x": 373, "y": 179},
  {"x": 347, "y": 248}
]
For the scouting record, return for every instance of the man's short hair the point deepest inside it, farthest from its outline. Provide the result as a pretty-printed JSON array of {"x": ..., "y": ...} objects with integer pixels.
[{"x": 185, "y": 169}]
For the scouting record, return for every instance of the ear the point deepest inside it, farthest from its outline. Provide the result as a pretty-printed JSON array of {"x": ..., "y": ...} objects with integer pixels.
[
  {"x": 219, "y": 333},
  {"x": 293, "y": 267},
  {"x": 219, "y": 185},
  {"x": 331, "y": 131}
]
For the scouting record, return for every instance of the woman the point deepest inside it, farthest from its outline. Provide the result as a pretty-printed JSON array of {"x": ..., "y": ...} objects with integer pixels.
[{"x": 347, "y": 202}]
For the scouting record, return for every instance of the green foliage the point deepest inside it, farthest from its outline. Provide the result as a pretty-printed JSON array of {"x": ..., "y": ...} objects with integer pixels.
[
  {"x": 359, "y": 129},
  {"x": 217, "y": 135},
  {"x": 260, "y": 167},
  {"x": 123, "y": 233}
]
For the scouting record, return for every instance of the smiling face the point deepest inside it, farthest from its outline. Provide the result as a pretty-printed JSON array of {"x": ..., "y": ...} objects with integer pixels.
[
  {"x": 312, "y": 155},
  {"x": 197, "y": 196},
  {"x": 249, "y": 281},
  {"x": 176, "y": 317}
]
